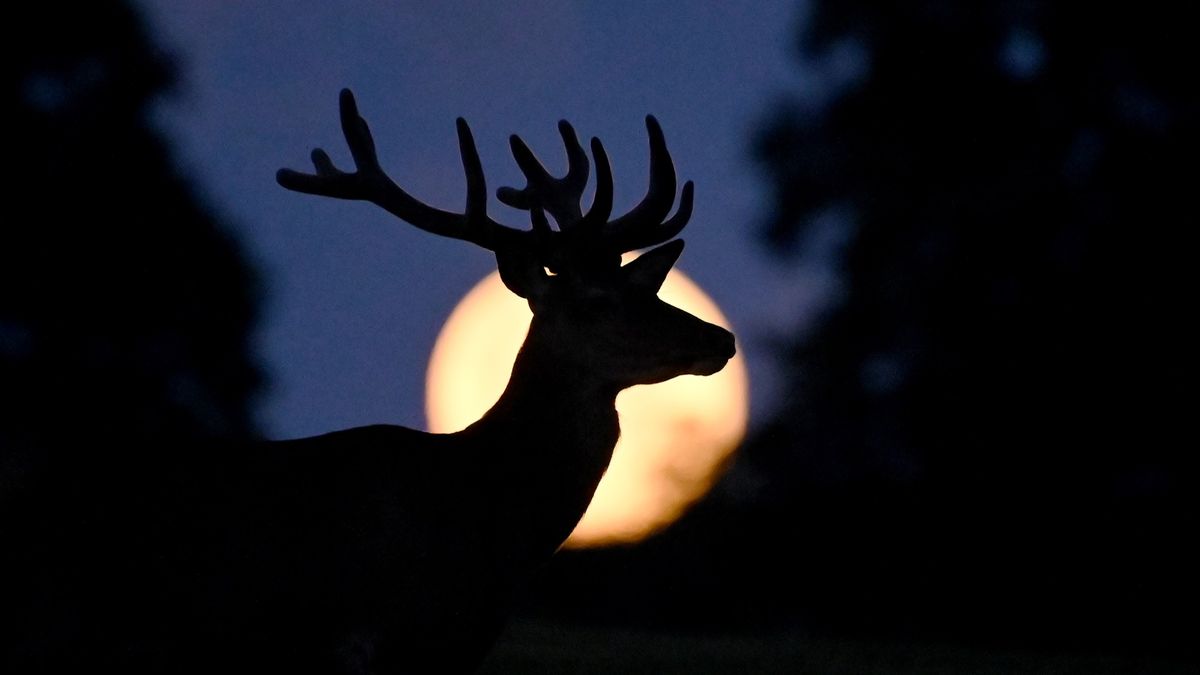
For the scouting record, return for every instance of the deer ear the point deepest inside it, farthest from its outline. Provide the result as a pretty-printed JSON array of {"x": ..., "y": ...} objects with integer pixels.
[
  {"x": 522, "y": 274},
  {"x": 650, "y": 270}
]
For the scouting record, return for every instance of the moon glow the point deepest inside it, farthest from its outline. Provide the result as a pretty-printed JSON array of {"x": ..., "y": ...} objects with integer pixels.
[{"x": 676, "y": 436}]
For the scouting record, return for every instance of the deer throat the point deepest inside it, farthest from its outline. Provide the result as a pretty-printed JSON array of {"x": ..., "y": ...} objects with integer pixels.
[{"x": 549, "y": 440}]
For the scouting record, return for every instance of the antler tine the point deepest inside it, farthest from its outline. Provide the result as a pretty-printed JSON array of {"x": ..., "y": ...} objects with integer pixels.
[
  {"x": 643, "y": 225},
  {"x": 660, "y": 194},
  {"x": 594, "y": 222},
  {"x": 368, "y": 182},
  {"x": 558, "y": 196},
  {"x": 634, "y": 238},
  {"x": 475, "y": 221}
]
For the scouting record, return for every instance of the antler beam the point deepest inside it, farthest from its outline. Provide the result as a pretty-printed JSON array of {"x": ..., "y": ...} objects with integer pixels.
[{"x": 369, "y": 182}]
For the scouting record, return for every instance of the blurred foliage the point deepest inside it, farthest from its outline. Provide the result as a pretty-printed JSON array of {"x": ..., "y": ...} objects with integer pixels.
[
  {"x": 1004, "y": 368},
  {"x": 1015, "y": 179},
  {"x": 125, "y": 317},
  {"x": 126, "y": 306}
]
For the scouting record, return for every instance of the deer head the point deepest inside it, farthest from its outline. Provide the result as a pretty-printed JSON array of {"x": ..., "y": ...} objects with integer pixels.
[{"x": 591, "y": 314}]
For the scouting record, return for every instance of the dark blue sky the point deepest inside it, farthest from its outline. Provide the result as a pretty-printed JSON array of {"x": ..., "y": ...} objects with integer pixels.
[{"x": 353, "y": 298}]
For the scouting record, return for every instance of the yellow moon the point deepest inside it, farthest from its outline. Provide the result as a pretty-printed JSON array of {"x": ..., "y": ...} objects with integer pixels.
[{"x": 676, "y": 437}]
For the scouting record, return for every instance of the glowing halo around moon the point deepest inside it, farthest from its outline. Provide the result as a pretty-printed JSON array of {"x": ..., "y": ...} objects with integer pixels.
[{"x": 676, "y": 437}]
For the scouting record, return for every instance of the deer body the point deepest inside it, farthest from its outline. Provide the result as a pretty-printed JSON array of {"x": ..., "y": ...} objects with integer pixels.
[
  {"x": 382, "y": 549},
  {"x": 424, "y": 539}
]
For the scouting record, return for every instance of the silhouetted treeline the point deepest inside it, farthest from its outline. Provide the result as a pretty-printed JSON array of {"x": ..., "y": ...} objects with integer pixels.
[
  {"x": 986, "y": 436},
  {"x": 1016, "y": 179},
  {"x": 125, "y": 311},
  {"x": 126, "y": 307},
  {"x": 1007, "y": 361}
]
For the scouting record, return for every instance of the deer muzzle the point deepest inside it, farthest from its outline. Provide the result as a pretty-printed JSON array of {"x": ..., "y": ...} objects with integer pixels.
[{"x": 719, "y": 347}]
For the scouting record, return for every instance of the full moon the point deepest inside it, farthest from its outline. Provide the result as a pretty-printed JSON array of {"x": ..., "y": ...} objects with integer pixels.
[{"x": 676, "y": 436}]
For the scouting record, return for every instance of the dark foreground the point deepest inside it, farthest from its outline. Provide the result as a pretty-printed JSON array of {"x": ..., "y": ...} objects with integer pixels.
[{"x": 531, "y": 647}]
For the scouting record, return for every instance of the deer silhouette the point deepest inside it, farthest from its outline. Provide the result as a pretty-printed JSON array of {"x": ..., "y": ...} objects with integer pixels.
[
  {"x": 463, "y": 519},
  {"x": 383, "y": 549}
]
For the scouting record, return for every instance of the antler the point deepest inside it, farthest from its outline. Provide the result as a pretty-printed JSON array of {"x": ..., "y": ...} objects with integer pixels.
[
  {"x": 557, "y": 196},
  {"x": 584, "y": 240},
  {"x": 369, "y": 182},
  {"x": 641, "y": 227}
]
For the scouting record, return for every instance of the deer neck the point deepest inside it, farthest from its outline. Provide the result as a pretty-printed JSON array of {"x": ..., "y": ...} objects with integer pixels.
[{"x": 549, "y": 440}]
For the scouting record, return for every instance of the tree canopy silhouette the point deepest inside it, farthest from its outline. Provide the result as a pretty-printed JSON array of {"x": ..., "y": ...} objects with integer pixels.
[
  {"x": 125, "y": 311},
  {"x": 1006, "y": 352},
  {"x": 126, "y": 306}
]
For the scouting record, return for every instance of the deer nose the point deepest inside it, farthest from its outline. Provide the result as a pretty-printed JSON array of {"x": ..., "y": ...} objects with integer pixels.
[{"x": 725, "y": 344}]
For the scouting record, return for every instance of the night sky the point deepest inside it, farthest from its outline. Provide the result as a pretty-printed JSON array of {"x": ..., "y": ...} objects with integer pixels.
[{"x": 353, "y": 298}]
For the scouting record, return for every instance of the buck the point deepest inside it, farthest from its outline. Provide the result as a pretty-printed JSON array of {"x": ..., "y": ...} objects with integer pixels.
[
  {"x": 383, "y": 549},
  {"x": 459, "y": 521}
]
